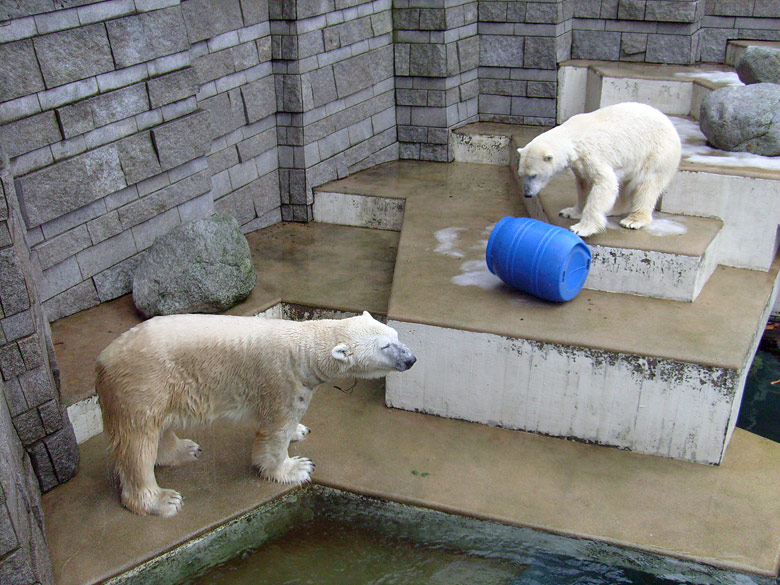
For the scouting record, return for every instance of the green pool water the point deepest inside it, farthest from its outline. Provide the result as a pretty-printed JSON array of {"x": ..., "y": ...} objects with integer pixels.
[{"x": 322, "y": 536}]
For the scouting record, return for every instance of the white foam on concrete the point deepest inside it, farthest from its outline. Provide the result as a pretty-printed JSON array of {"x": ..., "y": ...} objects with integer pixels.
[
  {"x": 476, "y": 273},
  {"x": 696, "y": 150},
  {"x": 665, "y": 227},
  {"x": 448, "y": 241}
]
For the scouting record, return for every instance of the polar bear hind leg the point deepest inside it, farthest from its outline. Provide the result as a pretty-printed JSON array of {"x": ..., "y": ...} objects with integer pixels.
[{"x": 140, "y": 492}]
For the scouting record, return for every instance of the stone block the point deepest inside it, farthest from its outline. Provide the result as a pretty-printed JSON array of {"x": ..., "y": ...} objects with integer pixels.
[
  {"x": 147, "y": 232},
  {"x": 289, "y": 93},
  {"x": 29, "y": 427},
  {"x": 14, "y": 296},
  {"x": 183, "y": 139},
  {"x": 209, "y": 18},
  {"x": 468, "y": 53},
  {"x": 73, "y": 54},
  {"x": 362, "y": 71},
  {"x": 19, "y": 70},
  {"x": 38, "y": 386},
  {"x": 587, "y": 9},
  {"x": 671, "y": 11},
  {"x": 104, "y": 227},
  {"x": 105, "y": 254},
  {"x": 14, "y": 396},
  {"x": 59, "y": 278},
  {"x": 75, "y": 299},
  {"x": 63, "y": 450},
  {"x": 57, "y": 249},
  {"x": 673, "y": 49},
  {"x": 29, "y": 134},
  {"x": 31, "y": 349},
  {"x": 322, "y": 86},
  {"x": 254, "y": 11},
  {"x": 155, "y": 203},
  {"x": 70, "y": 184},
  {"x": 501, "y": 51},
  {"x": 11, "y": 361},
  {"x": 172, "y": 87},
  {"x": 255, "y": 145},
  {"x": 539, "y": 53},
  {"x": 44, "y": 470},
  {"x": 259, "y": 99},
  {"x": 117, "y": 280},
  {"x": 51, "y": 416},
  {"x": 146, "y": 36},
  {"x": 543, "y": 12},
  {"x": 590, "y": 44},
  {"x": 18, "y": 325},
  {"x": 138, "y": 157},
  {"x": 428, "y": 60},
  {"x": 225, "y": 114},
  {"x": 492, "y": 11},
  {"x": 632, "y": 9}
]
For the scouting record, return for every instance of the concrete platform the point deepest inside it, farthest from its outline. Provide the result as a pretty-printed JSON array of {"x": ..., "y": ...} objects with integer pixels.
[
  {"x": 726, "y": 516},
  {"x": 504, "y": 358}
]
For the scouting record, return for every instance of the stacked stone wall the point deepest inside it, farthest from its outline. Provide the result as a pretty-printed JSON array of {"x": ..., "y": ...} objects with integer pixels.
[
  {"x": 437, "y": 76},
  {"x": 333, "y": 64}
]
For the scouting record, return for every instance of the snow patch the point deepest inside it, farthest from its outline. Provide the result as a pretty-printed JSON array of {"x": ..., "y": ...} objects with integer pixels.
[{"x": 696, "y": 150}]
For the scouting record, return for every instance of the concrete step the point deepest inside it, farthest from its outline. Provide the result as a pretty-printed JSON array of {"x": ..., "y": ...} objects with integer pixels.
[
  {"x": 650, "y": 375},
  {"x": 671, "y": 259},
  {"x": 676, "y": 90}
]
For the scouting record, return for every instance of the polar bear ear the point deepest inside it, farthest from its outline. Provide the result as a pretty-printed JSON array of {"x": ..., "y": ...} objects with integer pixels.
[
  {"x": 367, "y": 314},
  {"x": 520, "y": 150},
  {"x": 341, "y": 352}
]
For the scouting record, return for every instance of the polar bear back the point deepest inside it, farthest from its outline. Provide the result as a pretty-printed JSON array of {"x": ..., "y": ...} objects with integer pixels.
[{"x": 623, "y": 135}]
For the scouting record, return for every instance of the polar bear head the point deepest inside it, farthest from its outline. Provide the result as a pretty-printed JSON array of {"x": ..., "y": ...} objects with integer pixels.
[
  {"x": 539, "y": 162},
  {"x": 371, "y": 349}
]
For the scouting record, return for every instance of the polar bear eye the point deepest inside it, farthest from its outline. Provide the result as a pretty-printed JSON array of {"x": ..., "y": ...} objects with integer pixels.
[{"x": 548, "y": 158}]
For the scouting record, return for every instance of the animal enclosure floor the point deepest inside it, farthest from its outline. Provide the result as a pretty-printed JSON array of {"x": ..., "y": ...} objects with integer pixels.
[{"x": 727, "y": 515}]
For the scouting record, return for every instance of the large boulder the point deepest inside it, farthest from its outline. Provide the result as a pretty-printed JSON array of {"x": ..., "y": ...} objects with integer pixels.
[
  {"x": 743, "y": 118},
  {"x": 759, "y": 65},
  {"x": 201, "y": 266}
]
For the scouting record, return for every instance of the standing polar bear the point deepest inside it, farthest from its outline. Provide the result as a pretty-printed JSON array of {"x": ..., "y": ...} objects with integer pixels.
[
  {"x": 178, "y": 369},
  {"x": 622, "y": 157}
]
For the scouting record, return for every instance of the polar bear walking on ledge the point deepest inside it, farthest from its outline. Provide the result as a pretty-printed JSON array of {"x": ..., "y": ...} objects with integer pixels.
[
  {"x": 622, "y": 156},
  {"x": 178, "y": 369}
]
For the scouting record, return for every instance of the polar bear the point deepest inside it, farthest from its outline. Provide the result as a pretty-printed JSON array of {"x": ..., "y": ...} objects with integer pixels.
[
  {"x": 622, "y": 157},
  {"x": 179, "y": 369}
]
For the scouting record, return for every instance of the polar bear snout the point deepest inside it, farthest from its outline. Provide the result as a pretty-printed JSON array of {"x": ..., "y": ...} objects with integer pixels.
[
  {"x": 531, "y": 186},
  {"x": 402, "y": 357}
]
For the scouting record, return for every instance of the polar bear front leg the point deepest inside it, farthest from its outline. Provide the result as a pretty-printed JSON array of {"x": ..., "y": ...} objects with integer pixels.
[
  {"x": 575, "y": 212},
  {"x": 600, "y": 200},
  {"x": 269, "y": 456}
]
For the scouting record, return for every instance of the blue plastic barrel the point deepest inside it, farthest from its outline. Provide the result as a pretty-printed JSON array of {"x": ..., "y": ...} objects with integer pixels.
[{"x": 544, "y": 260}]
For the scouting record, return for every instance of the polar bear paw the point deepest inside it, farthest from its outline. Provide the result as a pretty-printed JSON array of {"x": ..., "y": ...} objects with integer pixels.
[
  {"x": 159, "y": 502},
  {"x": 183, "y": 451},
  {"x": 300, "y": 433},
  {"x": 570, "y": 212},
  {"x": 169, "y": 502},
  {"x": 635, "y": 221},
  {"x": 587, "y": 228},
  {"x": 295, "y": 470}
]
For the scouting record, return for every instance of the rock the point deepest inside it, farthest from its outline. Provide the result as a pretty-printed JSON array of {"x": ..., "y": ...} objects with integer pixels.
[
  {"x": 759, "y": 65},
  {"x": 743, "y": 118},
  {"x": 201, "y": 266}
]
